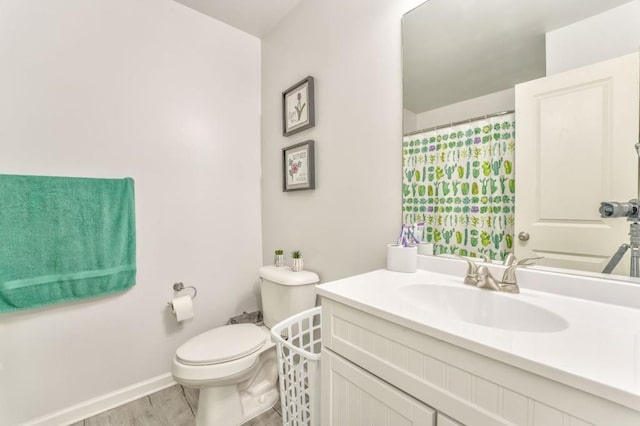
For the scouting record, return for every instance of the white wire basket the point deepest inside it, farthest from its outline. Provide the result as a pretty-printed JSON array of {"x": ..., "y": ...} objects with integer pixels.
[{"x": 299, "y": 342}]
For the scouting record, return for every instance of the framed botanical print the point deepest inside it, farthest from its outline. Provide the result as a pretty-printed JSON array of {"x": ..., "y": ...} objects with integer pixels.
[
  {"x": 298, "y": 167},
  {"x": 298, "y": 109}
]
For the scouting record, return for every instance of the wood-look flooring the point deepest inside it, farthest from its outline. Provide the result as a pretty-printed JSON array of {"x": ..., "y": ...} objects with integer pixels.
[{"x": 174, "y": 406}]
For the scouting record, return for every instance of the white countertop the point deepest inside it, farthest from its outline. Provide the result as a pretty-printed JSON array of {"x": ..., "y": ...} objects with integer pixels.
[{"x": 599, "y": 351}]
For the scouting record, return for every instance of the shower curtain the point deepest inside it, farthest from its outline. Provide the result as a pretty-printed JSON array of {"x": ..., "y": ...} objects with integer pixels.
[{"x": 459, "y": 186}]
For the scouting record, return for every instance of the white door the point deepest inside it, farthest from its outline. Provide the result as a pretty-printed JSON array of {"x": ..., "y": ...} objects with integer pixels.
[{"x": 575, "y": 137}]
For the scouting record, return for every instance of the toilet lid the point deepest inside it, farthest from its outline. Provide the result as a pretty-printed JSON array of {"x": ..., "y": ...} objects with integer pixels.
[{"x": 222, "y": 344}]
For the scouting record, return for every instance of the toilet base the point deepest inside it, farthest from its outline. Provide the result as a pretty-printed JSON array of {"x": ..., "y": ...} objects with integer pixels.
[
  {"x": 234, "y": 404},
  {"x": 222, "y": 406}
]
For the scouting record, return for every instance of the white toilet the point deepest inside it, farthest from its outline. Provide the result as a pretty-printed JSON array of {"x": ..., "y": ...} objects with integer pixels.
[{"x": 235, "y": 366}]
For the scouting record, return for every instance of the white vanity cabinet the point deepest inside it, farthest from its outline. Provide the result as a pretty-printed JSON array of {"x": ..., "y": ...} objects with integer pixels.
[
  {"x": 355, "y": 397},
  {"x": 378, "y": 372},
  {"x": 446, "y": 421}
]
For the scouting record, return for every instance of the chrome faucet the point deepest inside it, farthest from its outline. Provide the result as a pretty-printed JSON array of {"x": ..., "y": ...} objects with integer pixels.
[
  {"x": 486, "y": 280},
  {"x": 481, "y": 277}
]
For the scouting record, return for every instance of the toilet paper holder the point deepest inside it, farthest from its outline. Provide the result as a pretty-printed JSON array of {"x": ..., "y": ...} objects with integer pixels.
[{"x": 181, "y": 287}]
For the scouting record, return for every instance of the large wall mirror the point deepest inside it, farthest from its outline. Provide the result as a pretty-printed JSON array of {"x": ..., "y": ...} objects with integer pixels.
[{"x": 520, "y": 118}]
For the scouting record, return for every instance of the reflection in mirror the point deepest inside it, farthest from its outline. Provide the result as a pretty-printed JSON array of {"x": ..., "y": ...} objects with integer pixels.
[{"x": 468, "y": 181}]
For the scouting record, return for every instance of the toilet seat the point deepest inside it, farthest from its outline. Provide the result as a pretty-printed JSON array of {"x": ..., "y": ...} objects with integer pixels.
[
  {"x": 222, "y": 344},
  {"x": 191, "y": 373}
]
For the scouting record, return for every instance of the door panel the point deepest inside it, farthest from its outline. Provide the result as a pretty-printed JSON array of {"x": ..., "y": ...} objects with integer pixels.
[{"x": 575, "y": 140}]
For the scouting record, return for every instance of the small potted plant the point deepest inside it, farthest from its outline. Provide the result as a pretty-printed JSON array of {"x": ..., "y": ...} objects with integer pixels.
[
  {"x": 296, "y": 261},
  {"x": 278, "y": 258}
]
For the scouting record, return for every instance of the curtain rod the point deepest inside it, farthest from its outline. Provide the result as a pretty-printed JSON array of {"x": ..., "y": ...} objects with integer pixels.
[{"x": 469, "y": 120}]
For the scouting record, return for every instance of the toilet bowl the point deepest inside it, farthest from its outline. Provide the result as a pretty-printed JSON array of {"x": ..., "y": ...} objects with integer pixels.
[
  {"x": 235, "y": 366},
  {"x": 236, "y": 370}
]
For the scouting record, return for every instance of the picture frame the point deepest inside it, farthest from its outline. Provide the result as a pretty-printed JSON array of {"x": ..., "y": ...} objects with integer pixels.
[
  {"x": 298, "y": 107},
  {"x": 298, "y": 167}
]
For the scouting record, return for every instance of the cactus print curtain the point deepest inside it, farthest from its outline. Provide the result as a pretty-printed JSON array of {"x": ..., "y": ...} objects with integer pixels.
[{"x": 458, "y": 182}]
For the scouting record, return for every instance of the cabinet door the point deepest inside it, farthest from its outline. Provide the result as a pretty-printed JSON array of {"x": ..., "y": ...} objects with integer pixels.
[
  {"x": 351, "y": 397},
  {"x": 575, "y": 148},
  {"x": 446, "y": 421}
]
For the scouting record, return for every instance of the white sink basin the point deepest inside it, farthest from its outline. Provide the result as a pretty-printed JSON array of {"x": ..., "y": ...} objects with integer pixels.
[{"x": 483, "y": 307}]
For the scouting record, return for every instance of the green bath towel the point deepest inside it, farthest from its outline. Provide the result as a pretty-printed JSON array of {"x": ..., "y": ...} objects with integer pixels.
[{"x": 64, "y": 239}]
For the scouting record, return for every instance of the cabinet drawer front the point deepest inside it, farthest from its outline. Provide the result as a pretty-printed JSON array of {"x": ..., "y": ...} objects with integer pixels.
[
  {"x": 354, "y": 397},
  {"x": 472, "y": 388}
]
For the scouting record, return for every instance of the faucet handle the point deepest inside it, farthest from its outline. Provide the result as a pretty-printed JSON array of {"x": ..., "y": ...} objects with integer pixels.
[
  {"x": 509, "y": 260},
  {"x": 509, "y": 276},
  {"x": 472, "y": 268},
  {"x": 471, "y": 277},
  {"x": 527, "y": 261}
]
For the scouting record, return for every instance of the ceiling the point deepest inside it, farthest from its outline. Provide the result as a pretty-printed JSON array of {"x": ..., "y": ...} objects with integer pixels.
[
  {"x": 454, "y": 50},
  {"x": 257, "y": 17}
]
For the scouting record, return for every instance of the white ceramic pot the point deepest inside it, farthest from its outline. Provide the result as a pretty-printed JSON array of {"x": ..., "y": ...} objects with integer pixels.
[
  {"x": 278, "y": 260},
  {"x": 297, "y": 265}
]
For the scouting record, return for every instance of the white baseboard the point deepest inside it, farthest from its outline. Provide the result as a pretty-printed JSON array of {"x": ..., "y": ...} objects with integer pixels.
[{"x": 103, "y": 403}]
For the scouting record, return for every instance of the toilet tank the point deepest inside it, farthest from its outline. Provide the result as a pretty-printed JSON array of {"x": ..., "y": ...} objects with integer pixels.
[{"x": 285, "y": 293}]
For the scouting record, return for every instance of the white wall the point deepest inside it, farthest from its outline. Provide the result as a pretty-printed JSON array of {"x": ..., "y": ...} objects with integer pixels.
[
  {"x": 504, "y": 100},
  {"x": 156, "y": 91},
  {"x": 607, "y": 35},
  {"x": 409, "y": 121},
  {"x": 353, "y": 51}
]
